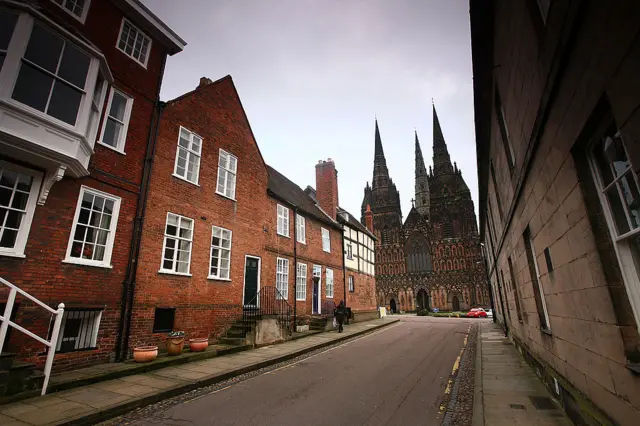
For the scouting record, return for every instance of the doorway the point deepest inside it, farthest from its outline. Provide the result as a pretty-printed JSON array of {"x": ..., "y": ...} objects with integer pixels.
[
  {"x": 251, "y": 281},
  {"x": 316, "y": 295},
  {"x": 392, "y": 305},
  {"x": 455, "y": 303},
  {"x": 422, "y": 300}
]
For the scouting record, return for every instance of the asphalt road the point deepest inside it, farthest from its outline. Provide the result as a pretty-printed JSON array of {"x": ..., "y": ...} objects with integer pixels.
[{"x": 396, "y": 376}]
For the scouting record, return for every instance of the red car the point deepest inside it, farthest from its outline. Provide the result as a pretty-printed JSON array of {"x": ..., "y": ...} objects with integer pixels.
[{"x": 477, "y": 313}]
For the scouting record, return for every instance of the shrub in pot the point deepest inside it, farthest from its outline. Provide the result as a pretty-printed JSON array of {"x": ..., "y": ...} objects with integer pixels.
[{"x": 175, "y": 342}]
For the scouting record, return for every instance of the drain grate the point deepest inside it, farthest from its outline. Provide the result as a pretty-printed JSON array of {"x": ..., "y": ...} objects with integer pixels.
[
  {"x": 542, "y": 402},
  {"x": 517, "y": 406}
]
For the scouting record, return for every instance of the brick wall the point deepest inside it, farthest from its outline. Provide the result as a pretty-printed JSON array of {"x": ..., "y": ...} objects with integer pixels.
[
  {"x": 363, "y": 298},
  {"x": 42, "y": 273},
  {"x": 590, "y": 337},
  {"x": 204, "y": 307}
]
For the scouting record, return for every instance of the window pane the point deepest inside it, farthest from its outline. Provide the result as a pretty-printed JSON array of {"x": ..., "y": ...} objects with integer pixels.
[
  {"x": 8, "y": 238},
  {"x": 74, "y": 66},
  {"x": 32, "y": 87},
  {"x": 112, "y": 131},
  {"x": 617, "y": 210},
  {"x": 118, "y": 106},
  {"x": 19, "y": 200},
  {"x": 7, "y": 24},
  {"x": 632, "y": 197},
  {"x": 44, "y": 48},
  {"x": 65, "y": 102}
]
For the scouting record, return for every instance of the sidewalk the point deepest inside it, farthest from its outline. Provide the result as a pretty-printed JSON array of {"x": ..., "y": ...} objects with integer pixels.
[
  {"x": 100, "y": 401},
  {"x": 505, "y": 385}
]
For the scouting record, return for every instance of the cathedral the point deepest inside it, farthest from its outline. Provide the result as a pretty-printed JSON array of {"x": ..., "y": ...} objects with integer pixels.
[{"x": 432, "y": 259}]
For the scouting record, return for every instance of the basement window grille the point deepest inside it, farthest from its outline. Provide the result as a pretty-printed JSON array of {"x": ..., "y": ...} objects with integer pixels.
[
  {"x": 163, "y": 320},
  {"x": 79, "y": 330}
]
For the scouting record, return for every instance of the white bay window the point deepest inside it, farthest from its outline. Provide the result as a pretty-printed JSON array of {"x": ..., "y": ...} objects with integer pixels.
[{"x": 52, "y": 89}]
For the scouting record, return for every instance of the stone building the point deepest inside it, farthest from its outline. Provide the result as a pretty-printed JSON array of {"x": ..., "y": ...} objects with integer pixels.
[
  {"x": 557, "y": 113},
  {"x": 432, "y": 259}
]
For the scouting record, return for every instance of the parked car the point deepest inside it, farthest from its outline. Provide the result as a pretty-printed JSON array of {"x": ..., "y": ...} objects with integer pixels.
[
  {"x": 489, "y": 313},
  {"x": 477, "y": 313}
]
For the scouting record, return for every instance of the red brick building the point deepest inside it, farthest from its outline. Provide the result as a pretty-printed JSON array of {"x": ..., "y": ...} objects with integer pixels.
[
  {"x": 79, "y": 83},
  {"x": 204, "y": 218}
]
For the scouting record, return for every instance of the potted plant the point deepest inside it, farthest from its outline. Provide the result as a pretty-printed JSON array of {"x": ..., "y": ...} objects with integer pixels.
[
  {"x": 175, "y": 342},
  {"x": 145, "y": 353},
  {"x": 198, "y": 344}
]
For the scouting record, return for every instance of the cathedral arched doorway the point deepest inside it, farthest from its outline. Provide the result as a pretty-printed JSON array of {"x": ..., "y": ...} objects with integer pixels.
[
  {"x": 455, "y": 304},
  {"x": 422, "y": 300},
  {"x": 392, "y": 305}
]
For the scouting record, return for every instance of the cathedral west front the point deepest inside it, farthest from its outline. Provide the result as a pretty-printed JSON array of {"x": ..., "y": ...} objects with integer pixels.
[{"x": 433, "y": 258}]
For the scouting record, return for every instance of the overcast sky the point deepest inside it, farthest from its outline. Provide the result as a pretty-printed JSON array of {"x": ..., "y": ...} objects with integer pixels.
[{"x": 312, "y": 74}]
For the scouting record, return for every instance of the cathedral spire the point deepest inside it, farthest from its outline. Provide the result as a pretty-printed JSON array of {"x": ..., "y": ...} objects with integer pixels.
[
  {"x": 423, "y": 198},
  {"x": 379, "y": 151},
  {"x": 441, "y": 159},
  {"x": 380, "y": 171},
  {"x": 420, "y": 167}
]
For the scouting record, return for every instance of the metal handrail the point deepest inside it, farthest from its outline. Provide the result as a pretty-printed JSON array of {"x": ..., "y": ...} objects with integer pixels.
[
  {"x": 50, "y": 344},
  {"x": 268, "y": 301}
]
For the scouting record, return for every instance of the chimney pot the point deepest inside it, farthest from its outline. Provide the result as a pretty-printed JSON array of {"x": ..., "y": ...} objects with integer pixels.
[{"x": 204, "y": 81}]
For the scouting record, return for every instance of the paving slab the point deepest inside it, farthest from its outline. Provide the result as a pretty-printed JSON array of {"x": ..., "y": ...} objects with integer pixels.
[
  {"x": 506, "y": 382},
  {"x": 94, "y": 402}
]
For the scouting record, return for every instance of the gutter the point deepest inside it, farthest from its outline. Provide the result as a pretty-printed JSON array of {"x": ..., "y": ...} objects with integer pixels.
[{"x": 128, "y": 290}]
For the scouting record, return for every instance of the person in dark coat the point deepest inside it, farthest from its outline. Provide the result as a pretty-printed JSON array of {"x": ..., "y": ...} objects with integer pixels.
[{"x": 340, "y": 313}]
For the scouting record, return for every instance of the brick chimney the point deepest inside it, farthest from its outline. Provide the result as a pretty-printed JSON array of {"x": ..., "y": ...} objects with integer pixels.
[
  {"x": 368, "y": 219},
  {"x": 204, "y": 81},
  {"x": 327, "y": 187}
]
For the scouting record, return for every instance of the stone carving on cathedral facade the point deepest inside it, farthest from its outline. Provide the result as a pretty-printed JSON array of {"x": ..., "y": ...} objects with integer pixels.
[{"x": 433, "y": 258}]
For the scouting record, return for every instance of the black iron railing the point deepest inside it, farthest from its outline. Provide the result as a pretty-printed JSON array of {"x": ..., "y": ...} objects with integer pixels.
[{"x": 269, "y": 302}]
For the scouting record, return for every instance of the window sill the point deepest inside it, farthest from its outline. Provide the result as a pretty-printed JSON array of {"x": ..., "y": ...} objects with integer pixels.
[
  {"x": 546, "y": 331},
  {"x": 301, "y": 300},
  {"x": 326, "y": 251},
  {"x": 282, "y": 235},
  {"x": 182, "y": 274},
  {"x": 72, "y": 261},
  {"x": 12, "y": 254},
  {"x": 185, "y": 180},
  {"x": 634, "y": 367},
  {"x": 225, "y": 196},
  {"x": 212, "y": 278},
  {"x": 303, "y": 242},
  {"x": 112, "y": 148}
]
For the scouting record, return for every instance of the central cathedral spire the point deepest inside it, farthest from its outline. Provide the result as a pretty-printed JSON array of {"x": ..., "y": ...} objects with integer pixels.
[
  {"x": 422, "y": 200},
  {"x": 441, "y": 159}
]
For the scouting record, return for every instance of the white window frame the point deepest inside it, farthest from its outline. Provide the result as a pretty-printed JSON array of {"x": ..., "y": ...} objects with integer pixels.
[
  {"x": 352, "y": 286},
  {"x": 539, "y": 284},
  {"x": 317, "y": 272},
  {"x": 630, "y": 273},
  {"x": 173, "y": 271},
  {"x": 329, "y": 283},
  {"x": 95, "y": 317},
  {"x": 301, "y": 281},
  {"x": 349, "y": 251},
  {"x": 226, "y": 169},
  {"x": 301, "y": 236},
  {"x": 282, "y": 226},
  {"x": 125, "y": 122},
  {"x": 106, "y": 261},
  {"x": 190, "y": 152},
  {"x": 326, "y": 240},
  {"x": 83, "y": 17},
  {"x": 220, "y": 248},
  {"x": 84, "y": 123},
  {"x": 140, "y": 32},
  {"x": 25, "y": 225},
  {"x": 282, "y": 277}
]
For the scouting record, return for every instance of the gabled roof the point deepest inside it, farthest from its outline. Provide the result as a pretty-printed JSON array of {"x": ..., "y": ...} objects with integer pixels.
[
  {"x": 283, "y": 189},
  {"x": 348, "y": 219}
]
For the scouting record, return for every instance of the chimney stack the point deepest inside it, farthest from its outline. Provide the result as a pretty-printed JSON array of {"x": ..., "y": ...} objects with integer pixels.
[
  {"x": 368, "y": 218},
  {"x": 327, "y": 187},
  {"x": 204, "y": 81}
]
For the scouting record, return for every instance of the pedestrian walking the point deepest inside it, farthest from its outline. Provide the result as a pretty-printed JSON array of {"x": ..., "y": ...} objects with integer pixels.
[{"x": 339, "y": 313}]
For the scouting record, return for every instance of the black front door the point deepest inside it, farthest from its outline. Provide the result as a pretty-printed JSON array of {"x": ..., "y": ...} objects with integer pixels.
[
  {"x": 392, "y": 305},
  {"x": 251, "y": 268},
  {"x": 316, "y": 296}
]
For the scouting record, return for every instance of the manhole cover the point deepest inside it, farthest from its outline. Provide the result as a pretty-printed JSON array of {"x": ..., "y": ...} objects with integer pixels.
[
  {"x": 542, "y": 402},
  {"x": 517, "y": 406}
]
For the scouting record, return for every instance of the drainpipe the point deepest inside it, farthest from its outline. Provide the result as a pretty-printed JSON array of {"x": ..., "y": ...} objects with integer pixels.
[
  {"x": 295, "y": 265},
  {"x": 344, "y": 272},
  {"x": 128, "y": 291}
]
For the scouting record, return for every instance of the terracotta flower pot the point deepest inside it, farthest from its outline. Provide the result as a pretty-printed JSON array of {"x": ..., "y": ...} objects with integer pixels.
[
  {"x": 198, "y": 344},
  {"x": 175, "y": 345},
  {"x": 145, "y": 353}
]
